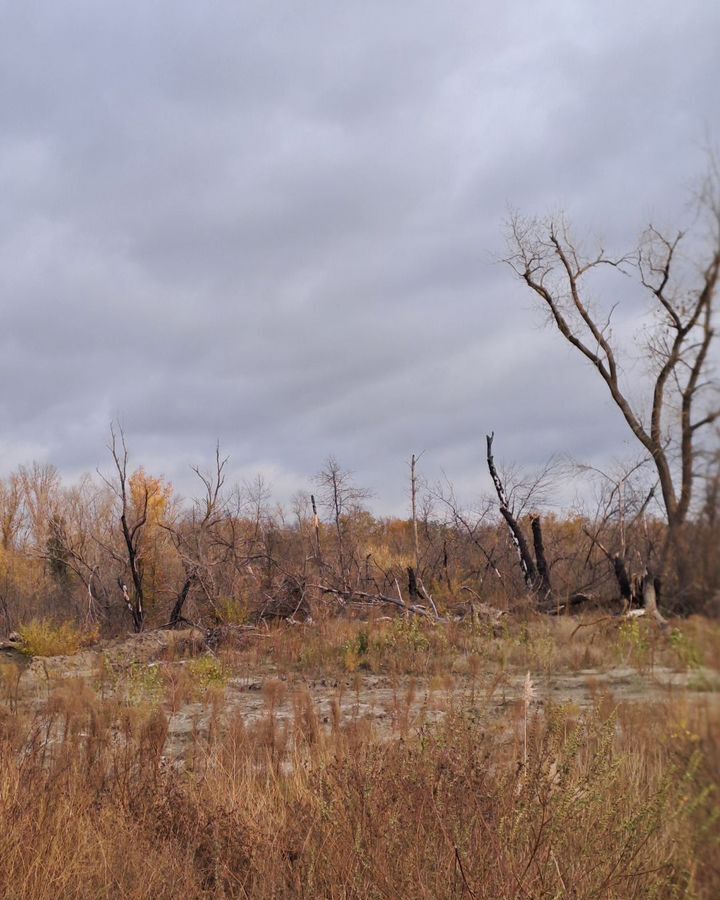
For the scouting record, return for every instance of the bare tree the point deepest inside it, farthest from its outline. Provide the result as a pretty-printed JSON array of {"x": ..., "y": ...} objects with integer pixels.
[
  {"x": 619, "y": 527},
  {"x": 11, "y": 510},
  {"x": 40, "y": 485},
  {"x": 340, "y": 498},
  {"x": 195, "y": 538},
  {"x": 71, "y": 548},
  {"x": 669, "y": 425},
  {"x": 133, "y": 519},
  {"x": 416, "y": 588},
  {"x": 471, "y": 525},
  {"x": 413, "y": 507}
]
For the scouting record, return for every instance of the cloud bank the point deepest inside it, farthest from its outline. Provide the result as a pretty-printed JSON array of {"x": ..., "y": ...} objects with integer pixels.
[{"x": 278, "y": 225}]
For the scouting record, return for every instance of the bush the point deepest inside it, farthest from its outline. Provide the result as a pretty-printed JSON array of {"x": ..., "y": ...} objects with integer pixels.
[
  {"x": 208, "y": 671},
  {"x": 232, "y": 611},
  {"x": 43, "y": 637}
]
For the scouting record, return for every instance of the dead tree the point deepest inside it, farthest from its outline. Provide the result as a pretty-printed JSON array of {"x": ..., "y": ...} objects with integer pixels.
[
  {"x": 471, "y": 526},
  {"x": 413, "y": 506},
  {"x": 619, "y": 527},
  {"x": 630, "y": 588},
  {"x": 543, "y": 569},
  {"x": 316, "y": 529},
  {"x": 133, "y": 519},
  {"x": 668, "y": 427},
  {"x": 536, "y": 572},
  {"x": 416, "y": 588},
  {"x": 341, "y": 498},
  {"x": 192, "y": 539}
]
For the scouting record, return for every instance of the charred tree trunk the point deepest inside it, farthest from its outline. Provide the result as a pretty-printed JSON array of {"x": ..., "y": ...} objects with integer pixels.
[
  {"x": 413, "y": 590},
  {"x": 527, "y": 563},
  {"x": 543, "y": 570},
  {"x": 417, "y": 591},
  {"x": 136, "y": 605},
  {"x": 176, "y": 616},
  {"x": 446, "y": 565},
  {"x": 316, "y": 527},
  {"x": 649, "y": 598}
]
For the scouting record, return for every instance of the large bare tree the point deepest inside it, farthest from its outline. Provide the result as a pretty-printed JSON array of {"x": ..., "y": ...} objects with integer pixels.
[{"x": 679, "y": 274}]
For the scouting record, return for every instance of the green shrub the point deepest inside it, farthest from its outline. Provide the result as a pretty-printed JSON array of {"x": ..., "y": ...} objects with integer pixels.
[
  {"x": 207, "y": 672},
  {"x": 633, "y": 642}
]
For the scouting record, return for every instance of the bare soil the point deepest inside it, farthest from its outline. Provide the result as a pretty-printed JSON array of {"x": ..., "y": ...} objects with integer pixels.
[{"x": 389, "y": 705}]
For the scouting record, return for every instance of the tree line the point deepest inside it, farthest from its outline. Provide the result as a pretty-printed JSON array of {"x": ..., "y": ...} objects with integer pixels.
[{"x": 119, "y": 549}]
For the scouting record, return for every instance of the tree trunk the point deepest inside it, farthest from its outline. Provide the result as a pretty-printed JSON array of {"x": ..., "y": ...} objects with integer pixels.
[{"x": 542, "y": 566}]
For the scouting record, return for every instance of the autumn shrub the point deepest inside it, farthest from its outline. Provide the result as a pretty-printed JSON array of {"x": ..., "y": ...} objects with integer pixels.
[{"x": 43, "y": 637}]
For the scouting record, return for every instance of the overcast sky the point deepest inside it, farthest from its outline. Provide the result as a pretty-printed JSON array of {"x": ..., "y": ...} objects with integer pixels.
[{"x": 278, "y": 224}]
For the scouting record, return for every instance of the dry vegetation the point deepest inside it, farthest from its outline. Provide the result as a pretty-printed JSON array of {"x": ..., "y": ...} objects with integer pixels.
[
  {"x": 476, "y": 783},
  {"x": 322, "y": 703}
]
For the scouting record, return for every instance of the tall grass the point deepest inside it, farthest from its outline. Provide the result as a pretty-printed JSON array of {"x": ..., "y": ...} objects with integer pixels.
[{"x": 618, "y": 803}]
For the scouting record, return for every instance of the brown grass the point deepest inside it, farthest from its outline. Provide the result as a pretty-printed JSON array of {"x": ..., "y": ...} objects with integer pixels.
[
  {"x": 539, "y": 643},
  {"x": 619, "y": 801}
]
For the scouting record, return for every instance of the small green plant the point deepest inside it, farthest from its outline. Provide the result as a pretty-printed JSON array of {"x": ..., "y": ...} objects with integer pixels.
[
  {"x": 686, "y": 650},
  {"x": 634, "y": 642},
  {"x": 208, "y": 672},
  {"x": 43, "y": 637},
  {"x": 145, "y": 682},
  {"x": 409, "y": 633},
  {"x": 355, "y": 652}
]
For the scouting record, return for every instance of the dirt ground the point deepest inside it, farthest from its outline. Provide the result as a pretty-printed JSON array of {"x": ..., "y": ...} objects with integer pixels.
[{"x": 390, "y": 705}]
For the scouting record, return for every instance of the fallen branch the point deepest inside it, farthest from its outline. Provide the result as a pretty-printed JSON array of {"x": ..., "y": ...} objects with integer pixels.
[{"x": 377, "y": 598}]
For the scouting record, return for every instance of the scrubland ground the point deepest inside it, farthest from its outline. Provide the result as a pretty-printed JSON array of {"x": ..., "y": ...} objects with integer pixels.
[{"x": 389, "y": 758}]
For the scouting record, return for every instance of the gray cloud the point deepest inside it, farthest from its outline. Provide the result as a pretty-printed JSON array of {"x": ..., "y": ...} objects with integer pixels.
[{"x": 278, "y": 225}]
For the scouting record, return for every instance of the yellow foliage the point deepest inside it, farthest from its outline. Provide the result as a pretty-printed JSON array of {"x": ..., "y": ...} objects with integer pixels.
[
  {"x": 158, "y": 491},
  {"x": 385, "y": 558},
  {"x": 151, "y": 495},
  {"x": 23, "y": 570},
  {"x": 208, "y": 671},
  {"x": 42, "y": 637}
]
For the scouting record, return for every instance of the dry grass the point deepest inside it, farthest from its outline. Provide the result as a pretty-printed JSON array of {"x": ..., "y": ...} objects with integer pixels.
[
  {"x": 538, "y": 643},
  {"x": 543, "y": 802}
]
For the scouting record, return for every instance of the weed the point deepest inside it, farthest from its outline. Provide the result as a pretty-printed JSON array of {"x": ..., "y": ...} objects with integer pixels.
[{"x": 144, "y": 683}]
